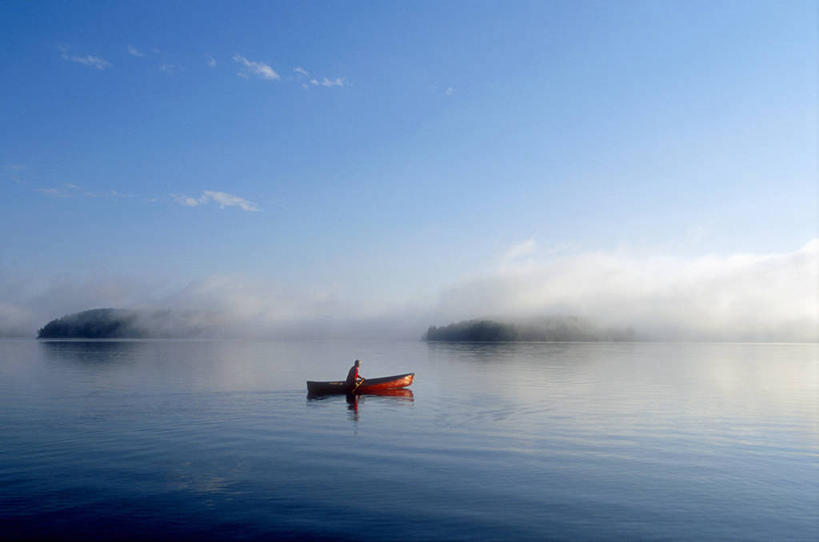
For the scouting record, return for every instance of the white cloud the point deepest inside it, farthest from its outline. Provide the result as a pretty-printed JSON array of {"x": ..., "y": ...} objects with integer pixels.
[
  {"x": 734, "y": 297},
  {"x": 258, "y": 69},
  {"x": 229, "y": 200},
  {"x": 167, "y": 68},
  {"x": 135, "y": 52},
  {"x": 211, "y": 61},
  {"x": 302, "y": 71},
  {"x": 337, "y": 82},
  {"x": 88, "y": 60},
  {"x": 449, "y": 91},
  {"x": 222, "y": 199}
]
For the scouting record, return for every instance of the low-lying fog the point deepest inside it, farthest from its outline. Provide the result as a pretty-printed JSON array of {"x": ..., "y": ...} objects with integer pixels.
[{"x": 738, "y": 297}]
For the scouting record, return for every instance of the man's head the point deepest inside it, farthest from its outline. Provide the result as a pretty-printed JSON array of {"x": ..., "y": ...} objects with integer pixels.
[{"x": 357, "y": 363}]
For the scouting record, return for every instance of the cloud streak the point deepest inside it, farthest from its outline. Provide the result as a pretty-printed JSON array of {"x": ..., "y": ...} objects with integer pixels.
[
  {"x": 257, "y": 69},
  {"x": 88, "y": 60},
  {"x": 69, "y": 190},
  {"x": 222, "y": 199},
  {"x": 306, "y": 79}
]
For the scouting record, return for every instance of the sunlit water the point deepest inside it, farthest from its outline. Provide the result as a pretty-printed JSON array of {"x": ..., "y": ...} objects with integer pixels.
[{"x": 217, "y": 440}]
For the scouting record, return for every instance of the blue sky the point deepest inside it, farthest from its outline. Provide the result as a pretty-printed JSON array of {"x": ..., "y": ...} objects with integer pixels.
[{"x": 384, "y": 151}]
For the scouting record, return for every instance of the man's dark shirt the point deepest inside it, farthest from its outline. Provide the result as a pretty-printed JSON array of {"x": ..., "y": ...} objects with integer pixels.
[{"x": 352, "y": 376}]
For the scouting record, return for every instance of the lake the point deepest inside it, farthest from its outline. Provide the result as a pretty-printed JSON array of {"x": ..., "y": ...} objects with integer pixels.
[{"x": 196, "y": 440}]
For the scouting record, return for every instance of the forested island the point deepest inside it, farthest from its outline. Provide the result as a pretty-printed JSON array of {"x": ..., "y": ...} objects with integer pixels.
[
  {"x": 111, "y": 323},
  {"x": 555, "y": 329},
  {"x": 124, "y": 324}
]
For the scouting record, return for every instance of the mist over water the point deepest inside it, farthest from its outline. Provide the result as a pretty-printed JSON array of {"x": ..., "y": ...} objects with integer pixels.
[
  {"x": 217, "y": 439},
  {"x": 740, "y": 297}
]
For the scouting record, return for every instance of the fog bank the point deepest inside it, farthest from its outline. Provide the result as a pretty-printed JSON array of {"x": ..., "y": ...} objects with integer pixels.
[{"x": 739, "y": 297}]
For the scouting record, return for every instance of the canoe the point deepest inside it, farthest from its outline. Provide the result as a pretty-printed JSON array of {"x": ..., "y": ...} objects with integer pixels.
[{"x": 369, "y": 385}]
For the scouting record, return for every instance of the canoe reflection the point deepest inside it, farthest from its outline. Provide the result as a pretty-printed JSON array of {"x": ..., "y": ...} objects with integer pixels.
[
  {"x": 401, "y": 393},
  {"x": 353, "y": 400}
]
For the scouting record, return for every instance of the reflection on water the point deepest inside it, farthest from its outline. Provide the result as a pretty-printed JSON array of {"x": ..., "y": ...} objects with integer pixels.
[
  {"x": 91, "y": 352},
  {"x": 354, "y": 400},
  {"x": 214, "y": 439}
]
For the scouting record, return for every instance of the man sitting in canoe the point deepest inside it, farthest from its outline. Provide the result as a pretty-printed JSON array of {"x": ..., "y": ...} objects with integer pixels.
[{"x": 353, "y": 377}]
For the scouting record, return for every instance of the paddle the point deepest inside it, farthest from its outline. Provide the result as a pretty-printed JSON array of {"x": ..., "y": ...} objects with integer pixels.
[{"x": 357, "y": 385}]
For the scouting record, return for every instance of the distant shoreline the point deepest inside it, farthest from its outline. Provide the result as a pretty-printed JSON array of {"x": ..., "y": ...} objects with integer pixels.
[
  {"x": 554, "y": 329},
  {"x": 166, "y": 325}
]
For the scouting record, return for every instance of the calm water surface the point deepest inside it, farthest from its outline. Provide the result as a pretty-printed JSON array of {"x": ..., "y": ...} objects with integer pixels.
[{"x": 217, "y": 440}]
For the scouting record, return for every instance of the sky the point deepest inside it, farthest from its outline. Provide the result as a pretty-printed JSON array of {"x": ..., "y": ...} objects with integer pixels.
[{"x": 645, "y": 163}]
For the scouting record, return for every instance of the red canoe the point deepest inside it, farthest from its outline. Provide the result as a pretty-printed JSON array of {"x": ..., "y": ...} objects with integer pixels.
[{"x": 368, "y": 386}]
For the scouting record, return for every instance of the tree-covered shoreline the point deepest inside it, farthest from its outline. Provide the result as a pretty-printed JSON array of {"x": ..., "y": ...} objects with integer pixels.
[
  {"x": 554, "y": 329},
  {"x": 128, "y": 324}
]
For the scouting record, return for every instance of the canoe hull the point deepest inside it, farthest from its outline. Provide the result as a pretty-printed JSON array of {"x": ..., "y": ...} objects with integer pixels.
[{"x": 371, "y": 385}]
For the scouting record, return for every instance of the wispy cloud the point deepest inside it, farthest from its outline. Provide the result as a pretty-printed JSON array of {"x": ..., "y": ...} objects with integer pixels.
[
  {"x": 107, "y": 194},
  {"x": 222, "y": 199},
  {"x": 70, "y": 190},
  {"x": 305, "y": 77},
  {"x": 53, "y": 192},
  {"x": 258, "y": 69},
  {"x": 167, "y": 68},
  {"x": 211, "y": 61},
  {"x": 133, "y": 51},
  {"x": 67, "y": 190},
  {"x": 87, "y": 60},
  {"x": 449, "y": 91}
]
